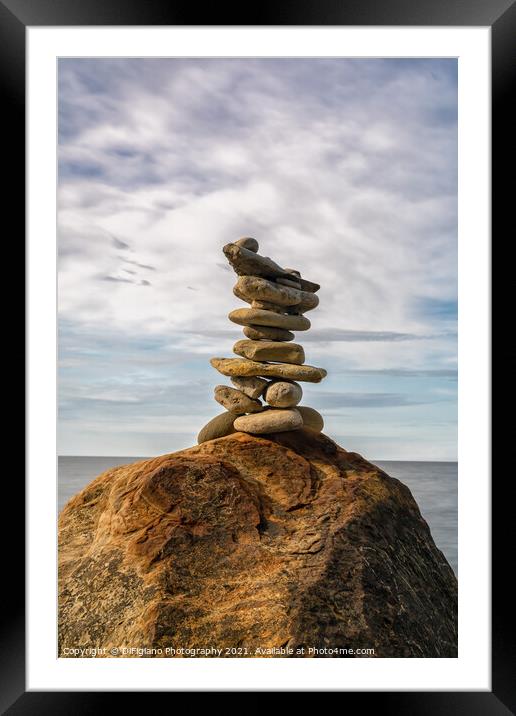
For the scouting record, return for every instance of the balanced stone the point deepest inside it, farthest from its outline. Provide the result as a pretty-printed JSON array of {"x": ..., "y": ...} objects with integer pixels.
[
  {"x": 311, "y": 418},
  {"x": 242, "y": 367},
  {"x": 218, "y": 427},
  {"x": 259, "y": 317},
  {"x": 266, "y": 306},
  {"x": 269, "y": 363},
  {"x": 248, "y": 243},
  {"x": 236, "y": 401},
  {"x": 307, "y": 303},
  {"x": 254, "y": 288},
  {"x": 249, "y": 288},
  {"x": 270, "y": 350},
  {"x": 283, "y": 394},
  {"x": 253, "y": 387},
  {"x": 289, "y": 282},
  {"x": 268, "y": 333},
  {"x": 269, "y": 421},
  {"x": 248, "y": 263}
]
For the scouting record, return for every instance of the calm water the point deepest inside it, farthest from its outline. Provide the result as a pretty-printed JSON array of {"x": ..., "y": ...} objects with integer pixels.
[{"x": 433, "y": 484}]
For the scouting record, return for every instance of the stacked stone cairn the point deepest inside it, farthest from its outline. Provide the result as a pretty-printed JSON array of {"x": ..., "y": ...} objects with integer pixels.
[{"x": 268, "y": 366}]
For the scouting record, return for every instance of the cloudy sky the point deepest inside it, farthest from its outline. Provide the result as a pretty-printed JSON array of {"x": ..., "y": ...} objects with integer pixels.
[{"x": 343, "y": 169}]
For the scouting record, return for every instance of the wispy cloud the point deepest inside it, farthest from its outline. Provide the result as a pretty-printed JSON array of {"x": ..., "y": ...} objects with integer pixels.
[
  {"x": 344, "y": 169},
  {"x": 349, "y": 336}
]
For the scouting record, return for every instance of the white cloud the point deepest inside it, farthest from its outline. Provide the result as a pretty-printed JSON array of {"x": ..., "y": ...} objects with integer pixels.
[{"x": 343, "y": 169}]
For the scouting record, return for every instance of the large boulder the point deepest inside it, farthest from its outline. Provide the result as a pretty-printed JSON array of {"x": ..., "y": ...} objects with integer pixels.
[{"x": 271, "y": 546}]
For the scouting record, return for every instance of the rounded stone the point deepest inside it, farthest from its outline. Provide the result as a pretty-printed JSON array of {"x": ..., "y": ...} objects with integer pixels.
[
  {"x": 218, "y": 427},
  {"x": 236, "y": 401},
  {"x": 282, "y": 394},
  {"x": 256, "y": 316},
  {"x": 253, "y": 387},
  {"x": 311, "y": 418},
  {"x": 255, "y": 288},
  {"x": 267, "y": 333},
  {"x": 269, "y": 421},
  {"x": 248, "y": 243},
  {"x": 270, "y": 350}
]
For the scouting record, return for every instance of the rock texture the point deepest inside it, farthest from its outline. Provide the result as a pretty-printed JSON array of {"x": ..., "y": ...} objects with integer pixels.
[
  {"x": 236, "y": 401},
  {"x": 270, "y": 421},
  {"x": 249, "y": 288},
  {"x": 253, "y": 387},
  {"x": 259, "y": 317},
  {"x": 243, "y": 367},
  {"x": 249, "y": 263},
  {"x": 283, "y": 394},
  {"x": 267, "y": 545},
  {"x": 270, "y": 351}
]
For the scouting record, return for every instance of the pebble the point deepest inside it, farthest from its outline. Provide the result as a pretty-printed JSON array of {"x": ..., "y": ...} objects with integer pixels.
[
  {"x": 269, "y": 421},
  {"x": 283, "y": 394},
  {"x": 253, "y": 387},
  {"x": 218, "y": 427},
  {"x": 248, "y": 243},
  {"x": 311, "y": 418},
  {"x": 236, "y": 401}
]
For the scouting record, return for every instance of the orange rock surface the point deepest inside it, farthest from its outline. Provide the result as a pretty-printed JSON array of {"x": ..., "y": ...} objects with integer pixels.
[{"x": 259, "y": 544}]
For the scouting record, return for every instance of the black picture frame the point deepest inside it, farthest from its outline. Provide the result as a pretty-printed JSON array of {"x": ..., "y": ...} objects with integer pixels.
[{"x": 500, "y": 16}]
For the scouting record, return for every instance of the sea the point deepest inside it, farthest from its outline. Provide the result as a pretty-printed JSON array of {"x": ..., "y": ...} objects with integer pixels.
[{"x": 433, "y": 485}]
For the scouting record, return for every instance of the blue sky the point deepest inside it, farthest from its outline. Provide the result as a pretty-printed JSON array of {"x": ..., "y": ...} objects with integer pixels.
[{"x": 344, "y": 169}]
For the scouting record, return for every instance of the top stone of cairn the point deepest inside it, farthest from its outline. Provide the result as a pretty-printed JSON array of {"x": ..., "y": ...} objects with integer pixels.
[
  {"x": 248, "y": 243},
  {"x": 248, "y": 263}
]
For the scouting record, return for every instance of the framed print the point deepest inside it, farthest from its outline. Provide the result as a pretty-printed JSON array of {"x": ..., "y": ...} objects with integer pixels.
[{"x": 259, "y": 453}]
